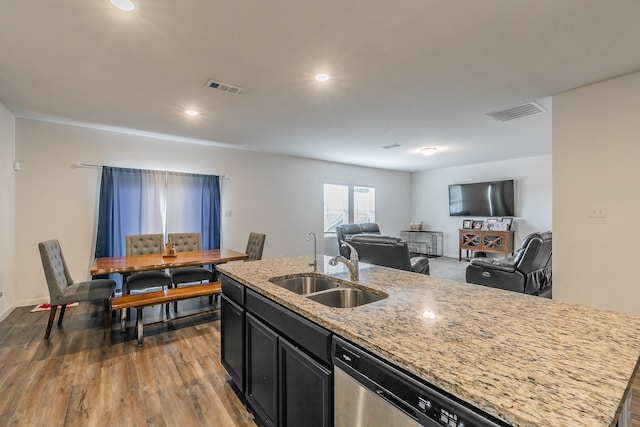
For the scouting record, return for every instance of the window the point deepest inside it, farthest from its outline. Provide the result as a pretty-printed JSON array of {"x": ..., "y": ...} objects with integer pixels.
[
  {"x": 134, "y": 201},
  {"x": 344, "y": 204},
  {"x": 364, "y": 204}
]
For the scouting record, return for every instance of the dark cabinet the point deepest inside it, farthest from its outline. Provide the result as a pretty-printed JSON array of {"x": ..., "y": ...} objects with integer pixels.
[
  {"x": 281, "y": 359},
  {"x": 232, "y": 339},
  {"x": 262, "y": 370},
  {"x": 305, "y": 389}
]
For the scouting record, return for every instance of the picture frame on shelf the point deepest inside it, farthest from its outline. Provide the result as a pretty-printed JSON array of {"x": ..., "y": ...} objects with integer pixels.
[
  {"x": 499, "y": 226},
  {"x": 489, "y": 223},
  {"x": 509, "y": 222},
  {"x": 477, "y": 225},
  {"x": 467, "y": 224}
]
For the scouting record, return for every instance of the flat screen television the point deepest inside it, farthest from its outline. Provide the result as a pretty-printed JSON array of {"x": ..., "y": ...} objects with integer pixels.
[{"x": 482, "y": 199}]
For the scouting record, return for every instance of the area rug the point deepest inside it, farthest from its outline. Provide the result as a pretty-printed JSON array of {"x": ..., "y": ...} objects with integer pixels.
[{"x": 47, "y": 307}]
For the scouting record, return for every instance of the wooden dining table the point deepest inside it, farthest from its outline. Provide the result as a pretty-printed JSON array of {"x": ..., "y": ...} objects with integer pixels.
[
  {"x": 135, "y": 263},
  {"x": 126, "y": 265}
]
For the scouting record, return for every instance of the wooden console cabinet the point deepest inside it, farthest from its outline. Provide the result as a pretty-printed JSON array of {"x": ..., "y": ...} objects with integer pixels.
[{"x": 486, "y": 241}]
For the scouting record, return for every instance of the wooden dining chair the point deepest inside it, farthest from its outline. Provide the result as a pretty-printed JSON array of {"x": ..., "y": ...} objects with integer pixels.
[
  {"x": 63, "y": 290},
  {"x": 187, "y": 242}
]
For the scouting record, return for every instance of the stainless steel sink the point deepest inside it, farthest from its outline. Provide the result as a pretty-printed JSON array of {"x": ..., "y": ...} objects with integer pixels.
[
  {"x": 307, "y": 284},
  {"x": 345, "y": 297}
]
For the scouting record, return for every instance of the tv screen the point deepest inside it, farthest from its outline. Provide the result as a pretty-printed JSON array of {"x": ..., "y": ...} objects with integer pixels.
[{"x": 482, "y": 199}]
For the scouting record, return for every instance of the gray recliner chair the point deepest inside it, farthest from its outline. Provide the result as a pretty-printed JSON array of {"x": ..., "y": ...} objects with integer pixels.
[
  {"x": 528, "y": 271},
  {"x": 388, "y": 251},
  {"x": 345, "y": 232}
]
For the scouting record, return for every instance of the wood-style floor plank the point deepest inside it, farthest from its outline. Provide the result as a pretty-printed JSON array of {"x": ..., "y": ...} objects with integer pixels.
[{"x": 83, "y": 377}]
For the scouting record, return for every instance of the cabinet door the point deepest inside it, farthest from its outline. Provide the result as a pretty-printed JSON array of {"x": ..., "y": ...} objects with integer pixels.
[
  {"x": 262, "y": 370},
  {"x": 232, "y": 340},
  {"x": 305, "y": 389}
]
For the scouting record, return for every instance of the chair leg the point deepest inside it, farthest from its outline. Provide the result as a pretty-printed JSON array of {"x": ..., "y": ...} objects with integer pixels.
[
  {"x": 123, "y": 320},
  {"x": 63, "y": 307},
  {"x": 52, "y": 315},
  {"x": 140, "y": 326},
  {"x": 107, "y": 315}
]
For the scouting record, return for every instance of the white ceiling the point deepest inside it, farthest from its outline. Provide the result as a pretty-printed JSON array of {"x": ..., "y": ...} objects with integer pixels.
[{"x": 411, "y": 72}]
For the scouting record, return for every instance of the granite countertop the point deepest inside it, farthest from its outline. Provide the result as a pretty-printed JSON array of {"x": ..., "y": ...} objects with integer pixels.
[{"x": 527, "y": 360}]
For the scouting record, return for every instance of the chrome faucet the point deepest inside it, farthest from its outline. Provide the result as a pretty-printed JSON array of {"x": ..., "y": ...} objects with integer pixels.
[
  {"x": 351, "y": 263},
  {"x": 315, "y": 251}
]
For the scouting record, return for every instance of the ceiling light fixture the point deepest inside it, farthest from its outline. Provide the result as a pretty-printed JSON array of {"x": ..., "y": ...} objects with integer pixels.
[
  {"x": 322, "y": 77},
  {"x": 192, "y": 112},
  {"x": 123, "y": 4},
  {"x": 428, "y": 151}
]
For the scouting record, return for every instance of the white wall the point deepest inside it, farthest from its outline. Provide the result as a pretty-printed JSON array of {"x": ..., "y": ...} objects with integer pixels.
[
  {"x": 7, "y": 205},
  {"x": 596, "y": 147},
  {"x": 532, "y": 175},
  {"x": 277, "y": 195}
]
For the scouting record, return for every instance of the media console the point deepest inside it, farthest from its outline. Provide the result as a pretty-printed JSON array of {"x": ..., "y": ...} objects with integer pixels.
[{"x": 486, "y": 241}]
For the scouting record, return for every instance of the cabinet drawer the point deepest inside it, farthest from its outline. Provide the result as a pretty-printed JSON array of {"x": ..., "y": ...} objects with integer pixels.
[
  {"x": 232, "y": 289},
  {"x": 313, "y": 338}
]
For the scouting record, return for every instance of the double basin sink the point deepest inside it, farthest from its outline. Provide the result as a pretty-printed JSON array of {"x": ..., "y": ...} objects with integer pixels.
[{"x": 328, "y": 291}]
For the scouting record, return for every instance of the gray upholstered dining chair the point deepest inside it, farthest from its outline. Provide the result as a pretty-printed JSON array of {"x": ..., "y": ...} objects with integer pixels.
[
  {"x": 63, "y": 290},
  {"x": 186, "y": 242},
  {"x": 143, "y": 244},
  {"x": 255, "y": 245}
]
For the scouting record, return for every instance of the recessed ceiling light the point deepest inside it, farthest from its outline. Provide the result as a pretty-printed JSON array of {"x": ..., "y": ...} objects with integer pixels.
[
  {"x": 322, "y": 77},
  {"x": 123, "y": 4},
  {"x": 192, "y": 112},
  {"x": 427, "y": 151}
]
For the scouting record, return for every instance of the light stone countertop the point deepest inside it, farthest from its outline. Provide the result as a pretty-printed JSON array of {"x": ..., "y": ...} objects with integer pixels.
[{"x": 527, "y": 360}]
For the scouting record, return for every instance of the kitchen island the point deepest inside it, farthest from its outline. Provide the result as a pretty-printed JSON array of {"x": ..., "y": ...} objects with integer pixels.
[{"x": 525, "y": 360}]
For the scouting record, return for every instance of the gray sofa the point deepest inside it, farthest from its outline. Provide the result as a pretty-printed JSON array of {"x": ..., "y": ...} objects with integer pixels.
[
  {"x": 528, "y": 271},
  {"x": 345, "y": 232},
  {"x": 388, "y": 251}
]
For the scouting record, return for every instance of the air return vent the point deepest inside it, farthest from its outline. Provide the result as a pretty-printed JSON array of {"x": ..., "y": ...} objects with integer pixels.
[
  {"x": 223, "y": 87},
  {"x": 516, "y": 112}
]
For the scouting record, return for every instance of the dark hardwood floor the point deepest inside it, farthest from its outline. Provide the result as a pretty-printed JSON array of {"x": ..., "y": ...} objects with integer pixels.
[
  {"x": 80, "y": 377},
  {"x": 83, "y": 378}
]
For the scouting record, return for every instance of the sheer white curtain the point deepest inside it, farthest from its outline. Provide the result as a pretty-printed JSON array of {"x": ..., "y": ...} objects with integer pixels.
[
  {"x": 184, "y": 204},
  {"x": 153, "y": 200}
]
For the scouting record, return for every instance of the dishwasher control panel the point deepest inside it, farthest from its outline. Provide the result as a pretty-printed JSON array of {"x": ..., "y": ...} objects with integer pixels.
[{"x": 424, "y": 403}]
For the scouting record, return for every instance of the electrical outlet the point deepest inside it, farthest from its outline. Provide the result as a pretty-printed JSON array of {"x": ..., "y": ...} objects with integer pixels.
[{"x": 597, "y": 212}]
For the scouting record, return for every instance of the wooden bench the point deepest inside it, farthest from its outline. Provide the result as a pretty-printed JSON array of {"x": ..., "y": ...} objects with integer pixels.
[{"x": 140, "y": 301}]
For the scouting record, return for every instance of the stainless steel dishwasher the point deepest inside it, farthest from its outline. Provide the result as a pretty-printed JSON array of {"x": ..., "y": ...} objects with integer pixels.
[{"x": 369, "y": 392}]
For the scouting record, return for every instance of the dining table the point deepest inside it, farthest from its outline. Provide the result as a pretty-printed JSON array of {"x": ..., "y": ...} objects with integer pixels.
[
  {"x": 126, "y": 265},
  {"x": 136, "y": 263}
]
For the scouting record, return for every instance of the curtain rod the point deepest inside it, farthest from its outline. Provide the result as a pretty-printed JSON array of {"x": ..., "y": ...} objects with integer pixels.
[{"x": 76, "y": 165}]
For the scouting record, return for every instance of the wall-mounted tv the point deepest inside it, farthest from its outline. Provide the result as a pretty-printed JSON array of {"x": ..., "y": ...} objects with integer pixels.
[{"x": 482, "y": 199}]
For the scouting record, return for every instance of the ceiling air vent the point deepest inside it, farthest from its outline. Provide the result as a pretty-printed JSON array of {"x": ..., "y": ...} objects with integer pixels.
[
  {"x": 516, "y": 112},
  {"x": 387, "y": 147},
  {"x": 223, "y": 87}
]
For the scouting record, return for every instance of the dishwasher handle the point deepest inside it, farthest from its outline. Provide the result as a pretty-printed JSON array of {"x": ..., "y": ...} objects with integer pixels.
[{"x": 397, "y": 402}]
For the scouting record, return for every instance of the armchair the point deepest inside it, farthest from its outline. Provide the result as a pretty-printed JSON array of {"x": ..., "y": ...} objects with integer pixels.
[
  {"x": 388, "y": 251},
  {"x": 528, "y": 271}
]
